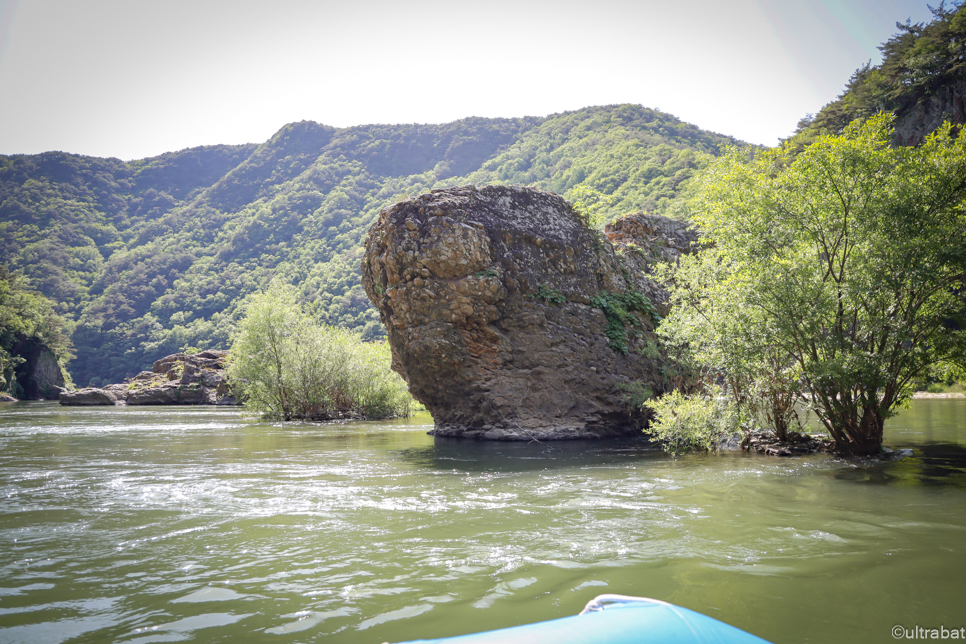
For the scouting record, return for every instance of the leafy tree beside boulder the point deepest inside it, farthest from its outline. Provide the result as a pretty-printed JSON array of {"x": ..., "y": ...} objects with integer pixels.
[{"x": 841, "y": 271}]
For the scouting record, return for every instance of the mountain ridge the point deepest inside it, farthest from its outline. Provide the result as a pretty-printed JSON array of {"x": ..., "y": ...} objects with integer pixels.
[{"x": 155, "y": 255}]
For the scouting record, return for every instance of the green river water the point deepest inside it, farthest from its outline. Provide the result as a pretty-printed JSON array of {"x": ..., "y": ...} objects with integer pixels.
[{"x": 133, "y": 524}]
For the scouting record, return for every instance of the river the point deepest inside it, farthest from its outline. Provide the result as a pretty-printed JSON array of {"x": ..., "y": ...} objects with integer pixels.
[{"x": 134, "y": 524}]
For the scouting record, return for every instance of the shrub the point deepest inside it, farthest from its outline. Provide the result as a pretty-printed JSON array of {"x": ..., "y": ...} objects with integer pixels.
[
  {"x": 694, "y": 422},
  {"x": 286, "y": 366}
]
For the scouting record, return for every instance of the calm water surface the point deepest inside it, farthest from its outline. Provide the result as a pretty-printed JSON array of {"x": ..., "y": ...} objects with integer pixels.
[{"x": 166, "y": 525}]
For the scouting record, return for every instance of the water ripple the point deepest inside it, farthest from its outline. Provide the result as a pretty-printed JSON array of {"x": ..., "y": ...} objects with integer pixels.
[{"x": 206, "y": 525}]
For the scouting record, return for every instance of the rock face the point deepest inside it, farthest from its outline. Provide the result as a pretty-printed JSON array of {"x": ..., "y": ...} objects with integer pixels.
[
  {"x": 510, "y": 319},
  {"x": 651, "y": 238},
  {"x": 945, "y": 103},
  {"x": 39, "y": 376},
  {"x": 177, "y": 379}
]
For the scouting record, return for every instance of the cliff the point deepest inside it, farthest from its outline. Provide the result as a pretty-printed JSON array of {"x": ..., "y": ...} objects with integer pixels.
[
  {"x": 40, "y": 376},
  {"x": 946, "y": 103},
  {"x": 34, "y": 343}
]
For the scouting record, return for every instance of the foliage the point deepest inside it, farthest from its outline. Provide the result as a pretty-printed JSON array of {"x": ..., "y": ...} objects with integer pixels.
[
  {"x": 711, "y": 325},
  {"x": 843, "y": 268},
  {"x": 286, "y": 366},
  {"x": 694, "y": 422},
  {"x": 618, "y": 308},
  {"x": 636, "y": 394},
  {"x": 27, "y": 318},
  {"x": 917, "y": 63},
  {"x": 591, "y": 205},
  {"x": 941, "y": 378},
  {"x": 156, "y": 254},
  {"x": 550, "y": 295}
]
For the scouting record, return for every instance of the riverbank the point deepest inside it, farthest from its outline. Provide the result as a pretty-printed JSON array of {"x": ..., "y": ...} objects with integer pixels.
[{"x": 926, "y": 395}]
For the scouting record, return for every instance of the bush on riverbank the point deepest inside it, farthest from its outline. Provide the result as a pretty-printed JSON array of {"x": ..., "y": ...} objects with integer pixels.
[
  {"x": 285, "y": 365},
  {"x": 701, "y": 421}
]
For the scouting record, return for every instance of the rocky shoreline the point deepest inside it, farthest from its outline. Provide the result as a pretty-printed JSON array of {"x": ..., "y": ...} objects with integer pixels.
[
  {"x": 798, "y": 444},
  {"x": 177, "y": 379}
]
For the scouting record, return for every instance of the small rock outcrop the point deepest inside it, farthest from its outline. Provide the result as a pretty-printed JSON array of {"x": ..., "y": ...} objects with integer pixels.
[
  {"x": 89, "y": 396},
  {"x": 178, "y": 379},
  {"x": 651, "y": 237},
  {"x": 511, "y": 319}
]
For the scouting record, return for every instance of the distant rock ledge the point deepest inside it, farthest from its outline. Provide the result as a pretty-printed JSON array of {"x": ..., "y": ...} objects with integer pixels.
[{"x": 178, "y": 379}]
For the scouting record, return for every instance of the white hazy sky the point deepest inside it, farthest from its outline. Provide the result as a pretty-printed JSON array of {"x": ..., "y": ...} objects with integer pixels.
[{"x": 136, "y": 78}]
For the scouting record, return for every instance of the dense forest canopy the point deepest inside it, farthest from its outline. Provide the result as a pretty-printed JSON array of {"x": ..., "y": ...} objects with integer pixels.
[
  {"x": 922, "y": 79},
  {"x": 155, "y": 255}
]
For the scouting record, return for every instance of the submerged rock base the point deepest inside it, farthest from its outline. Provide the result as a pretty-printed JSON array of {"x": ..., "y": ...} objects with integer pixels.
[{"x": 496, "y": 303}]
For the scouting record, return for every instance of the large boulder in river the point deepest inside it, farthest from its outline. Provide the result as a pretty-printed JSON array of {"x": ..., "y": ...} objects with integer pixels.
[{"x": 511, "y": 319}]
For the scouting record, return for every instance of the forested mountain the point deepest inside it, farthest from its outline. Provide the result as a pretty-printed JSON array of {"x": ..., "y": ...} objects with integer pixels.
[
  {"x": 922, "y": 79},
  {"x": 154, "y": 255}
]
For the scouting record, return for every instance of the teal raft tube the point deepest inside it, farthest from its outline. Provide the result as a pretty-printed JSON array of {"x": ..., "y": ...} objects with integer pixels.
[{"x": 615, "y": 619}]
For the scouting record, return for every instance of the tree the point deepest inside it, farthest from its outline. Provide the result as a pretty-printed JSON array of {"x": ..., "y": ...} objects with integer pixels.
[
  {"x": 843, "y": 268},
  {"x": 591, "y": 204},
  {"x": 285, "y": 365},
  {"x": 712, "y": 326}
]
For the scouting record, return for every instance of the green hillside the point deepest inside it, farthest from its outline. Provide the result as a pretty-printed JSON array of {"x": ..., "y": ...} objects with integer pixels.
[{"x": 154, "y": 255}]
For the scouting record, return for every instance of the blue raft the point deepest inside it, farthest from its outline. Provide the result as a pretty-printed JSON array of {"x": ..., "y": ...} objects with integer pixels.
[{"x": 616, "y": 619}]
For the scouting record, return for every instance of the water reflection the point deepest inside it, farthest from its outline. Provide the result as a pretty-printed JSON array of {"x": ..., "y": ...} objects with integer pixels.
[
  {"x": 518, "y": 456},
  {"x": 930, "y": 443},
  {"x": 930, "y": 464}
]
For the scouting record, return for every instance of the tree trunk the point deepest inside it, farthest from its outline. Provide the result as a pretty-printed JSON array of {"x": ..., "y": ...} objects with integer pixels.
[
  {"x": 781, "y": 425},
  {"x": 864, "y": 437}
]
